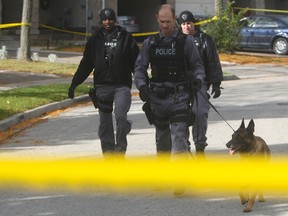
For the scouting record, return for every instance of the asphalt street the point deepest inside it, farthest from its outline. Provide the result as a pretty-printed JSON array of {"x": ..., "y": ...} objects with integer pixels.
[{"x": 256, "y": 91}]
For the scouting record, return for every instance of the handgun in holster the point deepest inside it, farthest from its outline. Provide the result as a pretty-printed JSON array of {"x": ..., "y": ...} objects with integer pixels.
[
  {"x": 148, "y": 112},
  {"x": 92, "y": 95}
]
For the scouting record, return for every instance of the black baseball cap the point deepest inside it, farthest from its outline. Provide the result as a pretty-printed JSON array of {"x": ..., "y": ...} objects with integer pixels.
[
  {"x": 107, "y": 13},
  {"x": 186, "y": 16}
]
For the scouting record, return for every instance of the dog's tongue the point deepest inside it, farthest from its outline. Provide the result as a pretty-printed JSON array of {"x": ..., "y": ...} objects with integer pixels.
[{"x": 231, "y": 151}]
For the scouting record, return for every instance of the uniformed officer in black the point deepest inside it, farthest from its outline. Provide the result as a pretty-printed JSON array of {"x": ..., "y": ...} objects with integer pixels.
[
  {"x": 175, "y": 65},
  {"x": 214, "y": 76},
  {"x": 111, "y": 54}
]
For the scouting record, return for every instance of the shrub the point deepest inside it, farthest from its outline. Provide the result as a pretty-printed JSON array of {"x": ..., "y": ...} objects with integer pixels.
[{"x": 225, "y": 29}]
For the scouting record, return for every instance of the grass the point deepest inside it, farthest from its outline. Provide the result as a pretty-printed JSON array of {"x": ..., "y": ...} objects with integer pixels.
[
  {"x": 21, "y": 99},
  {"x": 39, "y": 67},
  {"x": 250, "y": 59}
]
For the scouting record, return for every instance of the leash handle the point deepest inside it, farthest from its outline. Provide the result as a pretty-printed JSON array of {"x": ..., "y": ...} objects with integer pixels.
[{"x": 216, "y": 110}]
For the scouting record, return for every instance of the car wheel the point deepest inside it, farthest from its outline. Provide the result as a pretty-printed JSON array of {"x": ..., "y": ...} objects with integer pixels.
[{"x": 280, "y": 46}]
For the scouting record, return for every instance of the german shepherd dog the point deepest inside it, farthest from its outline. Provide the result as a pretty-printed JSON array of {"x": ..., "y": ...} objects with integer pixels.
[{"x": 247, "y": 145}]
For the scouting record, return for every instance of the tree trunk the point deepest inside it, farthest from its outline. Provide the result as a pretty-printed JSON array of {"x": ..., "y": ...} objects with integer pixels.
[
  {"x": 218, "y": 6},
  {"x": 24, "y": 51},
  {"x": 0, "y": 13}
]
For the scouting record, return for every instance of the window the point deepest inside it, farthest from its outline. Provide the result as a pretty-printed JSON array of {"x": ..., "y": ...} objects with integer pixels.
[{"x": 265, "y": 22}]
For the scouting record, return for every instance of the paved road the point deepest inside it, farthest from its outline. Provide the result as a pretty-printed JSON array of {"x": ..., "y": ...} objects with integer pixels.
[
  {"x": 105, "y": 203},
  {"x": 259, "y": 93}
]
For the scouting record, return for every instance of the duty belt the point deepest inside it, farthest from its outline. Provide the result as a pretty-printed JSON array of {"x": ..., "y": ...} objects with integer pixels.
[{"x": 170, "y": 90}]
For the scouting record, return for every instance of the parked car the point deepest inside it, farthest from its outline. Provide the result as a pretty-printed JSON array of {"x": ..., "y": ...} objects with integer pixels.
[
  {"x": 267, "y": 32},
  {"x": 131, "y": 23}
]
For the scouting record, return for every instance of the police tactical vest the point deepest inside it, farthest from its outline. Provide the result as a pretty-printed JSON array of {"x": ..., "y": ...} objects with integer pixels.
[
  {"x": 167, "y": 59},
  {"x": 111, "y": 42}
]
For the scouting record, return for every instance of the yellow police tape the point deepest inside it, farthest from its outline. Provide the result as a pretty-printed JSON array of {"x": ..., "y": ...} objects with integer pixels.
[
  {"x": 11, "y": 25},
  {"x": 263, "y": 10},
  {"x": 206, "y": 21},
  {"x": 221, "y": 173},
  {"x": 65, "y": 31}
]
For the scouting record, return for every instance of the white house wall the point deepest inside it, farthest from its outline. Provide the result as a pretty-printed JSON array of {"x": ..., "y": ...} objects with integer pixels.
[{"x": 203, "y": 7}]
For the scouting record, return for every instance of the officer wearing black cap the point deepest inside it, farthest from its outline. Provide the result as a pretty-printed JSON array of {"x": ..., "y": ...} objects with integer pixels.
[
  {"x": 186, "y": 16},
  {"x": 214, "y": 76},
  {"x": 107, "y": 14},
  {"x": 110, "y": 53}
]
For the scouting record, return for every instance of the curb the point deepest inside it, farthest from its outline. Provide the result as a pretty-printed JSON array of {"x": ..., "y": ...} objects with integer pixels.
[
  {"x": 231, "y": 77},
  {"x": 38, "y": 111}
]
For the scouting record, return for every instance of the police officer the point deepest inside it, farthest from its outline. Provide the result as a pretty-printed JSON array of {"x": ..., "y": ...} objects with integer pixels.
[
  {"x": 174, "y": 60},
  {"x": 111, "y": 54},
  {"x": 214, "y": 76}
]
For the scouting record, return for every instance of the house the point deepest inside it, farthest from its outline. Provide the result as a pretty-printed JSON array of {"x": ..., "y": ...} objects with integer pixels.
[{"x": 82, "y": 15}]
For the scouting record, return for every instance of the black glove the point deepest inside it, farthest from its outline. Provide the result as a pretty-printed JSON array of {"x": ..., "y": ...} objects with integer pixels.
[
  {"x": 216, "y": 90},
  {"x": 71, "y": 91},
  {"x": 144, "y": 93},
  {"x": 197, "y": 84}
]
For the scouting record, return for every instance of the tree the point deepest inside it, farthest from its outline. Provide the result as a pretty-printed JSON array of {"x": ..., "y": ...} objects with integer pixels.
[
  {"x": 218, "y": 6},
  {"x": 0, "y": 13},
  {"x": 225, "y": 29},
  {"x": 24, "y": 51}
]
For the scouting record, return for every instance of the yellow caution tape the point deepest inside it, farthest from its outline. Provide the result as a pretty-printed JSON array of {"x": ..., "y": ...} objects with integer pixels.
[
  {"x": 263, "y": 10},
  {"x": 65, "y": 31},
  {"x": 144, "y": 34},
  {"x": 142, "y": 173},
  {"x": 206, "y": 21},
  {"x": 11, "y": 25}
]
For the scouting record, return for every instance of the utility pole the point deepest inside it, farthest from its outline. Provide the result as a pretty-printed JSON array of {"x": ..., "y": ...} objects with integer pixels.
[{"x": 24, "y": 51}]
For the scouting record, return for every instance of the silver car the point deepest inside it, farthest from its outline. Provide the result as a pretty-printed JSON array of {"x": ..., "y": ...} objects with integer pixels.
[{"x": 131, "y": 23}]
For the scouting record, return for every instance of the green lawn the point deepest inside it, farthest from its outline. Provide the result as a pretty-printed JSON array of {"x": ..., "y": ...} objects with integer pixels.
[
  {"x": 38, "y": 67},
  {"x": 21, "y": 99}
]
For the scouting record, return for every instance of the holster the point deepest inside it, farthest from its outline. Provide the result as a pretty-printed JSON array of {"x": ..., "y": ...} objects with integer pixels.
[
  {"x": 148, "y": 112},
  {"x": 92, "y": 95}
]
